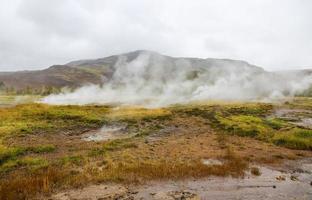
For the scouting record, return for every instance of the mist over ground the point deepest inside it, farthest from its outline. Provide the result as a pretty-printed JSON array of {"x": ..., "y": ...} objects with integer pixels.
[{"x": 154, "y": 80}]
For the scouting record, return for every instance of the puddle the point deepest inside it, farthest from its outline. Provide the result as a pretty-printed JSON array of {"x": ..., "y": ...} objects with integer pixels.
[
  {"x": 304, "y": 122},
  {"x": 106, "y": 133},
  {"x": 271, "y": 184},
  {"x": 211, "y": 162},
  {"x": 298, "y": 117}
]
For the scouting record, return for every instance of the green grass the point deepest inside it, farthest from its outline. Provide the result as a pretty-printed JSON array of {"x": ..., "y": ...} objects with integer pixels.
[
  {"x": 31, "y": 163},
  {"x": 38, "y": 118},
  {"x": 276, "y": 124},
  {"x": 72, "y": 160},
  {"x": 273, "y": 130},
  {"x": 294, "y": 139},
  {"x": 7, "y": 153},
  {"x": 245, "y": 125},
  {"x": 42, "y": 149},
  {"x": 250, "y": 120},
  {"x": 11, "y": 156},
  {"x": 7, "y": 100},
  {"x": 118, "y": 144}
]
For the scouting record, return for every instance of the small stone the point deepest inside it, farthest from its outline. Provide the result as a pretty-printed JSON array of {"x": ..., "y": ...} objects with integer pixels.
[
  {"x": 293, "y": 178},
  {"x": 281, "y": 178}
]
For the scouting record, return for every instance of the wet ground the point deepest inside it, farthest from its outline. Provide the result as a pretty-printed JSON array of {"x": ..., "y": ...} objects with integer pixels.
[
  {"x": 293, "y": 181},
  {"x": 298, "y": 117},
  {"x": 108, "y": 132}
]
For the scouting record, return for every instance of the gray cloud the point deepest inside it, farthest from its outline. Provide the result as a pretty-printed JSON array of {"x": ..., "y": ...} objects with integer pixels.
[{"x": 38, "y": 33}]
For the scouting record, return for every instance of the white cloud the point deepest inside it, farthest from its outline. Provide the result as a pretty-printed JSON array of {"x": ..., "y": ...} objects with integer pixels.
[{"x": 38, "y": 33}]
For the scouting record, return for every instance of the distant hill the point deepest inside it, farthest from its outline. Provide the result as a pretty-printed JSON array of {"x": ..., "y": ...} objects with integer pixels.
[{"x": 98, "y": 71}]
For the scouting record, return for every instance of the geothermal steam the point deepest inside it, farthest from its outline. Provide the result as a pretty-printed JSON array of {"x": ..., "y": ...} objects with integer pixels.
[{"x": 155, "y": 80}]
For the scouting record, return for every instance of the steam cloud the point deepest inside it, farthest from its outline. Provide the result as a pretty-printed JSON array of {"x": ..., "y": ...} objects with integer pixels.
[{"x": 154, "y": 80}]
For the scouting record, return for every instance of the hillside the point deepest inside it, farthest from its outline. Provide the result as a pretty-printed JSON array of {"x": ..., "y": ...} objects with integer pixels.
[
  {"x": 140, "y": 69},
  {"x": 78, "y": 73}
]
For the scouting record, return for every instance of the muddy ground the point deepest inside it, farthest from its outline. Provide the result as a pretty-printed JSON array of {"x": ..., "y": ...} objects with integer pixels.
[
  {"x": 289, "y": 180},
  {"x": 292, "y": 181}
]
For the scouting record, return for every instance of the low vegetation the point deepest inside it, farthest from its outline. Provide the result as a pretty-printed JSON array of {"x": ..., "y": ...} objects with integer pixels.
[
  {"x": 42, "y": 151},
  {"x": 295, "y": 139}
]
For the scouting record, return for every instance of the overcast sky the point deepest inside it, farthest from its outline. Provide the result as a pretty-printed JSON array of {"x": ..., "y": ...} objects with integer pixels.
[{"x": 274, "y": 34}]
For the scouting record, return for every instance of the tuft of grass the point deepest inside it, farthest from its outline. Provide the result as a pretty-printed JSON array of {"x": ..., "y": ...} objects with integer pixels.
[
  {"x": 295, "y": 139},
  {"x": 255, "y": 171},
  {"x": 245, "y": 125},
  {"x": 168, "y": 168},
  {"x": 276, "y": 124},
  {"x": 254, "y": 109},
  {"x": 42, "y": 148},
  {"x": 7, "y": 153},
  {"x": 76, "y": 160},
  {"x": 25, "y": 185},
  {"x": 96, "y": 152},
  {"x": 32, "y": 163},
  {"x": 118, "y": 144},
  {"x": 10, "y": 157}
]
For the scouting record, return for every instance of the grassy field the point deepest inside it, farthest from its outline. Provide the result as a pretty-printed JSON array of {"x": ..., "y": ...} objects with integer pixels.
[
  {"x": 9, "y": 100},
  {"x": 41, "y": 149}
]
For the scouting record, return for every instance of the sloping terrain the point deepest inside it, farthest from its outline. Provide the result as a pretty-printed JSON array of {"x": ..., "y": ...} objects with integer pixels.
[
  {"x": 97, "y": 71},
  {"x": 55, "y": 76}
]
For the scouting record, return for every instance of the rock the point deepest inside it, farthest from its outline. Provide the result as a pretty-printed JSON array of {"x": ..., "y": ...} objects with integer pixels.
[
  {"x": 162, "y": 196},
  {"x": 183, "y": 195},
  {"x": 281, "y": 178},
  {"x": 293, "y": 178}
]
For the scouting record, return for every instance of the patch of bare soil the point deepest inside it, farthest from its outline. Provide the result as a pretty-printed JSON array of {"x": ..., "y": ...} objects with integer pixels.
[{"x": 106, "y": 133}]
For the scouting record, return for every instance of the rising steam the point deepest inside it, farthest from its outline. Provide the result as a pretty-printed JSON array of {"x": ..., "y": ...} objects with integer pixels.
[{"x": 152, "y": 79}]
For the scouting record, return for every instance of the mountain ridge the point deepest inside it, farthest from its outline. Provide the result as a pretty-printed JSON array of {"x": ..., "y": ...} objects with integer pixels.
[{"x": 77, "y": 73}]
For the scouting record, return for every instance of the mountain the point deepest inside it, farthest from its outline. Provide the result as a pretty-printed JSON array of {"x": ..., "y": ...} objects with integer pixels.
[{"x": 99, "y": 71}]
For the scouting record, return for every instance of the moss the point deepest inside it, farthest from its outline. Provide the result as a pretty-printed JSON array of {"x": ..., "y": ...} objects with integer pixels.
[
  {"x": 255, "y": 109},
  {"x": 276, "y": 123},
  {"x": 294, "y": 139},
  {"x": 245, "y": 125}
]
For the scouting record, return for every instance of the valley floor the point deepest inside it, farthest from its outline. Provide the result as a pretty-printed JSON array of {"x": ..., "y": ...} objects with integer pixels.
[{"x": 207, "y": 150}]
